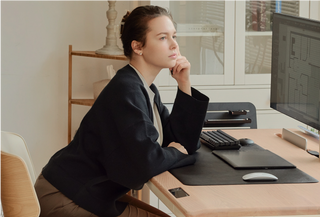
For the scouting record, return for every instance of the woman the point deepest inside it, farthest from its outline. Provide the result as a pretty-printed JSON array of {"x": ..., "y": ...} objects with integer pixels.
[{"x": 128, "y": 136}]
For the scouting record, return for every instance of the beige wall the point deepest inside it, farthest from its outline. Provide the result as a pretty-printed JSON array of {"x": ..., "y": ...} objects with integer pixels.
[{"x": 34, "y": 65}]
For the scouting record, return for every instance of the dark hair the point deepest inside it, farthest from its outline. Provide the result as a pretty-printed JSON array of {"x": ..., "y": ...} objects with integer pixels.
[{"x": 136, "y": 25}]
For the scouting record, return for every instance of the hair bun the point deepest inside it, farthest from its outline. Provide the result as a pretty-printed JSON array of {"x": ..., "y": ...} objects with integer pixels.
[{"x": 124, "y": 18}]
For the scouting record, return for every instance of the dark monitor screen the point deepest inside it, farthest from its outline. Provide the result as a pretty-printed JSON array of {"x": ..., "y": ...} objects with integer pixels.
[{"x": 295, "y": 70}]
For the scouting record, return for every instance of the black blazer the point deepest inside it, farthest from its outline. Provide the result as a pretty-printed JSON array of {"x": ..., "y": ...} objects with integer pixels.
[{"x": 115, "y": 148}]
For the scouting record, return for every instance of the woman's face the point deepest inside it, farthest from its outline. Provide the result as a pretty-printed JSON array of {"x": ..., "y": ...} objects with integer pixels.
[{"x": 161, "y": 48}]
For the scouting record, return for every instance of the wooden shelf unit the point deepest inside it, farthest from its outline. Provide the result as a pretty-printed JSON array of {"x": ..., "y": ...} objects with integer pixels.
[
  {"x": 93, "y": 54},
  {"x": 85, "y": 102}
]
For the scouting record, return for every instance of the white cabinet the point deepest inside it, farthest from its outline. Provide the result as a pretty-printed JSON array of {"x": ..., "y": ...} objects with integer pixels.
[{"x": 228, "y": 44}]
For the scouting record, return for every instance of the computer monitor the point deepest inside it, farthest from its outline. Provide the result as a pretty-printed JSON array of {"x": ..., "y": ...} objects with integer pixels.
[{"x": 295, "y": 68}]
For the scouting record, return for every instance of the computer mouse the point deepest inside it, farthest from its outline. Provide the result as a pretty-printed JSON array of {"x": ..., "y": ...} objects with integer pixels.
[
  {"x": 246, "y": 141},
  {"x": 259, "y": 176}
]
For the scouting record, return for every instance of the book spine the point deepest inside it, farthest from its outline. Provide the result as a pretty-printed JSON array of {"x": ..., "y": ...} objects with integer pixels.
[
  {"x": 262, "y": 23},
  {"x": 254, "y": 12},
  {"x": 268, "y": 15},
  {"x": 248, "y": 16},
  {"x": 278, "y": 6}
]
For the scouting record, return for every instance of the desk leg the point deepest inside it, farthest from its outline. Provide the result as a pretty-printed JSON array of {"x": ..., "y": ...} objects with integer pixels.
[{"x": 165, "y": 200}]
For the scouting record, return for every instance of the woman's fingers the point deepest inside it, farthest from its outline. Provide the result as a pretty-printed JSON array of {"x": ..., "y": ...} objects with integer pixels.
[{"x": 181, "y": 64}]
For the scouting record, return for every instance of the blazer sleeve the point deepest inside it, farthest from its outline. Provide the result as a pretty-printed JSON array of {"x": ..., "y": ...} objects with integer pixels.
[{"x": 185, "y": 122}]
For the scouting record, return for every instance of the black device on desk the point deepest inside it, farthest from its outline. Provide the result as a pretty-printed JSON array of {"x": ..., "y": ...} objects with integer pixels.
[
  {"x": 253, "y": 157},
  {"x": 242, "y": 153},
  {"x": 219, "y": 140}
]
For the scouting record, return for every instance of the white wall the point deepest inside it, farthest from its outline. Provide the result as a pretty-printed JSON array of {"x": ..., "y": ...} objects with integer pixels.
[
  {"x": 34, "y": 66},
  {"x": 314, "y": 7}
]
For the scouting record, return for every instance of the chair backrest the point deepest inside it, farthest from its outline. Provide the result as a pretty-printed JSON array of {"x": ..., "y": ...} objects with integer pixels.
[
  {"x": 169, "y": 106},
  {"x": 13, "y": 143},
  {"x": 231, "y": 115},
  {"x": 18, "y": 196}
]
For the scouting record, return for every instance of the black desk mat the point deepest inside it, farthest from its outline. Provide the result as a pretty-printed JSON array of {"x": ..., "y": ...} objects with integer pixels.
[{"x": 211, "y": 170}]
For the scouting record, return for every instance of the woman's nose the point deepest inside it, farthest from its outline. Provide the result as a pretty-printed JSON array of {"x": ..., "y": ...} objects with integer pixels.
[{"x": 174, "y": 44}]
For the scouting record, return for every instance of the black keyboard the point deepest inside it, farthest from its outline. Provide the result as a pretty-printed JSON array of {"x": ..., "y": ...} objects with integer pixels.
[{"x": 219, "y": 140}]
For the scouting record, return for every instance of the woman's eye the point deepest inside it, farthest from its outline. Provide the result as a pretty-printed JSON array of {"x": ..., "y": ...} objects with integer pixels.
[
  {"x": 174, "y": 37},
  {"x": 162, "y": 38}
]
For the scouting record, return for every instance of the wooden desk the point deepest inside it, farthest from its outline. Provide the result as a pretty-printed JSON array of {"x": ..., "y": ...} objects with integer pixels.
[{"x": 249, "y": 200}]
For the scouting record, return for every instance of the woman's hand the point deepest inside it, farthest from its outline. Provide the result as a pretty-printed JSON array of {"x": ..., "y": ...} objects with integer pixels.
[
  {"x": 181, "y": 72},
  {"x": 178, "y": 146}
]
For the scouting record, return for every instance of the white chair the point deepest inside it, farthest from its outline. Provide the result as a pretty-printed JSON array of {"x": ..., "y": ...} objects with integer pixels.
[
  {"x": 18, "y": 196},
  {"x": 13, "y": 143}
]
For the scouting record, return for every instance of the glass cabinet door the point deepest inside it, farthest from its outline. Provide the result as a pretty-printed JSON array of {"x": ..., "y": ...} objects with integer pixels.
[
  {"x": 254, "y": 37},
  {"x": 205, "y": 38}
]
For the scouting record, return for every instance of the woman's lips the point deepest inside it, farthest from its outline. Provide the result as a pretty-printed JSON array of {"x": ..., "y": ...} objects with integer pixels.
[{"x": 173, "y": 56}]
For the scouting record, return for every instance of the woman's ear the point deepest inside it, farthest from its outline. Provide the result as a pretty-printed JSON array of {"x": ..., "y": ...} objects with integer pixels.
[{"x": 136, "y": 47}]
